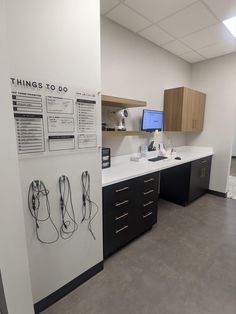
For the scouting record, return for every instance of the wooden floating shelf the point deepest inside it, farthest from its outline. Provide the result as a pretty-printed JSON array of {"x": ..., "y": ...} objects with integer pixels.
[
  {"x": 112, "y": 101},
  {"x": 123, "y": 133}
]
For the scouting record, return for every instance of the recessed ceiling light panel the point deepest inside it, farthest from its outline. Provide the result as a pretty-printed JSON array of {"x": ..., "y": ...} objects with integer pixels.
[{"x": 231, "y": 25}]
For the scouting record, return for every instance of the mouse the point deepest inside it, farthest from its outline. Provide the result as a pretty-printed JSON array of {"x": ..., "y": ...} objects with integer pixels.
[{"x": 178, "y": 158}]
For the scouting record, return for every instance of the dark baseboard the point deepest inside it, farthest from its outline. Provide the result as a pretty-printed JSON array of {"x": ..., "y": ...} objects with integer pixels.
[
  {"x": 220, "y": 194},
  {"x": 233, "y": 156},
  {"x": 70, "y": 286}
]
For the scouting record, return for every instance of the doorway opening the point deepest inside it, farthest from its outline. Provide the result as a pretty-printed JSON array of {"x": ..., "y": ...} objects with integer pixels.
[{"x": 231, "y": 189}]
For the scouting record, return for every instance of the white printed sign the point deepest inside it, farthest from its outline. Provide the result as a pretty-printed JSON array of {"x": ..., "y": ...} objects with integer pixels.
[
  {"x": 60, "y": 105},
  {"x": 50, "y": 117},
  {"x": 60, "y": 124}
]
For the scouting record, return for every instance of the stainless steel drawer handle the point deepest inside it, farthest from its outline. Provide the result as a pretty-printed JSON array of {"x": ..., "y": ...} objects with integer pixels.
[
  {"x": 148, "y": 192},
  {"x": 149, "y": 180},
  {"x": 149, "y": 203},
  {"x": 204, "y": 161},
  {"x": 122, "y": 203},
  {"x": 147, "y": 215},
  {"x": 122, "y": 229},
  {"x": 123, "y": 189},
  {"x": 122, "y": 216}
]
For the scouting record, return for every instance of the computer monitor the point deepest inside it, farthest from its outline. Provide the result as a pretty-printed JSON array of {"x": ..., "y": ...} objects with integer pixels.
[{"x": 152, "y": 120}]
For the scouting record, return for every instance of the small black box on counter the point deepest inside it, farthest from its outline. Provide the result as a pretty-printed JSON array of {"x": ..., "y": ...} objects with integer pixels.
[{"x": 106, "y": 157}]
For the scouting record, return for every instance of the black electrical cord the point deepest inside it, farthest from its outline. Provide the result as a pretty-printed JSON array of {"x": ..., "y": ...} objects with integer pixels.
[
  {"x": 69, "y": 224},
  {"x": 37, "y": 191},
  {"x": 87, "y": 204}
]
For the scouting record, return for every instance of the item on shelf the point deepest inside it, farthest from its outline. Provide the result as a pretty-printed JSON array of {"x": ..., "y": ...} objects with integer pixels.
[
  {"x": 106, "y": 157},
  {"x": 104, "y": 126},
  {"x": 121, "y": 115}
]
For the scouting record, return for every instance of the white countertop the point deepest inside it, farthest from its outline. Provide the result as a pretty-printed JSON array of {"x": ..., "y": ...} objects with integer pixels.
[{"x": 122, "y": 168}]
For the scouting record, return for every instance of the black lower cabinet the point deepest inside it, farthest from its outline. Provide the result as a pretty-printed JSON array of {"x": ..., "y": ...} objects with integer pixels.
[
  {"x": 184, "y": 183},
  {"x": 129, "y": 209}
]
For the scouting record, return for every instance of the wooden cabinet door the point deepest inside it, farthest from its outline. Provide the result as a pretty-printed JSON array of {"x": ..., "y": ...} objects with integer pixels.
[
  {"x": 198, "y": 112},
  {"x": 200, "y": 177},
  {"x": 173, "y": 105},
  {"x": 183, "y": 110},
  {"x": 188, "y": 110},
  {"x": 193, "y": 110}
]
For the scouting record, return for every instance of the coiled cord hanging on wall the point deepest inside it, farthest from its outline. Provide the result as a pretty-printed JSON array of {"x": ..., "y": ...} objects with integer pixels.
[
  {"x": 37, "y": 190},
  {"x": 69, "y": 224},
  {"x": 88, "y": 205}
]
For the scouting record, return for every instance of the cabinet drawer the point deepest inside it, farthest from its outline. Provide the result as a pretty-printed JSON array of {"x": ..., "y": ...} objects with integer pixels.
[
  {"x": 121, "y": 236},
  {"x": 148, "y": 182},
  {"x": 117, "y": 193},
  {"x": 203, "y": 162},
  {"x": 150, "y": 195},
  {"x": 119, "y": 213},
  {"x": 148, "y": 217},
  {"x": 121, "y": 224}
]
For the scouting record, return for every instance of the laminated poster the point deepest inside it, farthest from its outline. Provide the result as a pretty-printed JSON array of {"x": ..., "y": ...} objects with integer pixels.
[{"x": 52, "y": 118}]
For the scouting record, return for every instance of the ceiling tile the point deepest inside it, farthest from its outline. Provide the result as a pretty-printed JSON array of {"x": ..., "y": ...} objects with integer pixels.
[
  {"x": 156, "y": 35},
  {"x": 155, "y": 10},
  {"x": 223, "y": 9},
  {"x": 176, "y": 47},
  {"x": 192, "y": 57},
  {"x": 128, "y": 18},
  {"x": 208, "y": 36},
  {"x": 188, "y": 20},
  {"x": 107, "y": 5},
  {"x": 218, "y": 49}
]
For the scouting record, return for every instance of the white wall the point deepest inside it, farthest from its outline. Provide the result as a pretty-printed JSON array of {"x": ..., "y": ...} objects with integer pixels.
[
  {"x": 217, "y": 78},
  {"x": 133, "y": 67},
  {"x": 13, "y": 252},
  {"x": 234, "y": 142},
  {"x": 58, "y": 41}
]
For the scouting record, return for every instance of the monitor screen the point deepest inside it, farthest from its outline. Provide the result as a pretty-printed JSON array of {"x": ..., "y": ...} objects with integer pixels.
[{"x": 152, "y": 120}]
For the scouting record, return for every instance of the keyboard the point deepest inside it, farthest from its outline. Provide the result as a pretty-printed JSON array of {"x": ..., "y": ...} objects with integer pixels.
[{"x": 157, "y": 158}]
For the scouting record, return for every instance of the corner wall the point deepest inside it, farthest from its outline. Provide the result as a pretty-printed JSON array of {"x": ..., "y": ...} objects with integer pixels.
[
  {"x": 217, "y": 78},
  {"x": 13, "y": 252},
  {"x": 133, "y": 67},
  {"x": 58, "y": 41}
]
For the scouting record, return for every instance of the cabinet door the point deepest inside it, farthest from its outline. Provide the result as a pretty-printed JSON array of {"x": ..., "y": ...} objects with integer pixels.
[
  {"x": 173, "y": 106},
  {"x": 198, "y": 112},
  {"x": 200, "y": 176},
  {"x": 174, "y": 184},
  {"x": 193, "y": 110}
]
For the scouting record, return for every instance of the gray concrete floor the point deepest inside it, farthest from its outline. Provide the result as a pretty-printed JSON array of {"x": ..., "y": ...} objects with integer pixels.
[
  {"x": 233, "y": 167},
  {"x": 185, "y": 265}
]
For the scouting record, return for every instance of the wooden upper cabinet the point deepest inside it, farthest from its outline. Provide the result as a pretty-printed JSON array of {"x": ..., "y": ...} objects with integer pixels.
[{"x": 183, "y": 110}]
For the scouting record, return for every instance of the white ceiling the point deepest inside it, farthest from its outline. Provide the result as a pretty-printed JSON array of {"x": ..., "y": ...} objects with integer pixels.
[{"x": 190, "y": 29}]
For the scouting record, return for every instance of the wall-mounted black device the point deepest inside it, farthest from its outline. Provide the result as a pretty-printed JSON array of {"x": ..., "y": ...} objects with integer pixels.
[{"x": 106, "y": 157}]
